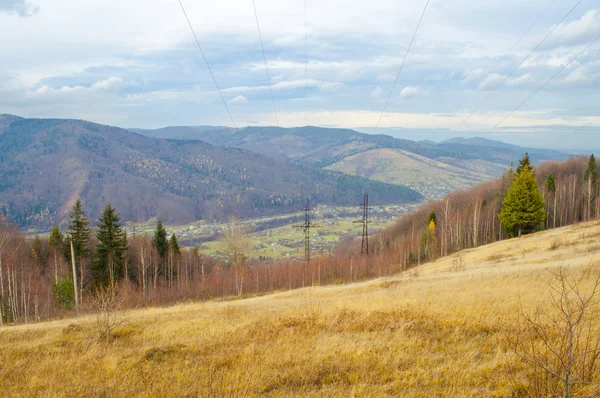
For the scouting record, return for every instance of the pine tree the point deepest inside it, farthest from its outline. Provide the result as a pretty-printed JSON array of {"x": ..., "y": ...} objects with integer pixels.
[
  {"x": 550, "y": 183},
  {"x": 432, "y": 217},
  {"x": 590, "y": 178},
  {"x": 523, "y": 206},
  {"x": 107, "y": 268},
  {"x": 160, "y": 240},
  {"x": 174, "y": 245},
  {"x": 79, "y": 232},
  {"x": 56, "y": 243},
  {"x": 525, "y": 162}
]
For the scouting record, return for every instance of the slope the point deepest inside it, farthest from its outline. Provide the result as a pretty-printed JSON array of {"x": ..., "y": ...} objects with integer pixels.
[
  {"x": 441, "y": 331},
  {"x": 46, "y": 164},
  {"x": 395, "y": 166},
  {"x": 465, "y": 162}
]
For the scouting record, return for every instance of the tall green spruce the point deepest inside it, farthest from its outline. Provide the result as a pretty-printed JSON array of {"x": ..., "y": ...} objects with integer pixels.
[
  {"x": 525, "y": 162},
  {"x": 78, "y": 232},
  {"x": 590, "y": 186},
  {"x": 160, "y": 240},
  {"x": 107, "y": 268},
  {"x": 56, "y": 243},
  {"x": 523, "y": 207}
]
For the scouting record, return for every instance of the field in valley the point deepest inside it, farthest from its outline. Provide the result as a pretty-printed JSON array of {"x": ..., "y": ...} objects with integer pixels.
[{"x": 444, "y": 329}]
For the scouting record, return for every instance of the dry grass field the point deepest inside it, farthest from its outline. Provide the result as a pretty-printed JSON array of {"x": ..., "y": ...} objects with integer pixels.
[{"x": 444, "y": 330}]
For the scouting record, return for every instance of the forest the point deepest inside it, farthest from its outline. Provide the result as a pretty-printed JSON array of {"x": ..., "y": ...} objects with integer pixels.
[{"x": 46, "y": 278}]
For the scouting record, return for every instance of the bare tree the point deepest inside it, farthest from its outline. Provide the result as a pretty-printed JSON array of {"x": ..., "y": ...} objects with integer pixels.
[
  {"x": 106, "y": 305},
  {"x": 235, "y": 243},
  {"x": 563, "y": 344}
]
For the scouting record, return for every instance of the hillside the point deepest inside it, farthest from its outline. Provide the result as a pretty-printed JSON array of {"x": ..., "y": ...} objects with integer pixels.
[
  {"x": 439, "y": 167},
  {"x": 431, "y": 177},
  {"x": 444, "y": 329},
  {"x": 46, "y": 164}
]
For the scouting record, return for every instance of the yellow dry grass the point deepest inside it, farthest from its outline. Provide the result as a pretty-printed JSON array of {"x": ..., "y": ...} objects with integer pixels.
[{"x": 441, "y": 334}]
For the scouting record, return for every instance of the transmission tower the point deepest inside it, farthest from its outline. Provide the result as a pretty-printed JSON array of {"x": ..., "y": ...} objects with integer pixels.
[
  {"x": 364, "y": 248},
  {"x": 306, "y": 227}
]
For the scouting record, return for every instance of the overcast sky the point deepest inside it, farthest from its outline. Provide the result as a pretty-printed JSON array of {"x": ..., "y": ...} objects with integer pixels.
[{"x": 134, "y": 63}]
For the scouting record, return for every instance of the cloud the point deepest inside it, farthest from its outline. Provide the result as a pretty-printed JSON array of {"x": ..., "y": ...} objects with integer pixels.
[
  {"x": 111, "y": 84},
  {"x": 576, "y": 32},
  {"x": 377, "y": 92},
  {"x": 20, "y": 7},
  {"x": 239, "y": 100},
  {"x": 330, "y": 87},
  {"x": 411, "y": 92}
]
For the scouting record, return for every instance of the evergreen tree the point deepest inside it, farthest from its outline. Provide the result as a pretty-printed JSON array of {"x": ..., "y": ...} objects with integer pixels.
[
  {"x": 174, "y": 245},
  {"x": 107, "y": 268},
  {"x": 56, "y": 243},
  {"x": 160, "y": 240},
  {"x": 550, "y": 183},
  {"x": 525, "y": 162},
  {"x": 592, "y": 170},
  {"x": 79, "y": 233},
  {"x": 523, "y": 206},
  {"x": 432, "y": 217}
]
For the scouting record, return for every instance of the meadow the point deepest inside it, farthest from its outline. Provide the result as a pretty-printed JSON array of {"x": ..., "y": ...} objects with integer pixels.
[{"x": 450, "y": 328}]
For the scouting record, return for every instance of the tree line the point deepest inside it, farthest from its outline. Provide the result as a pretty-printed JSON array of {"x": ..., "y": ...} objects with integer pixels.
[{"x": 43, "y": 278}]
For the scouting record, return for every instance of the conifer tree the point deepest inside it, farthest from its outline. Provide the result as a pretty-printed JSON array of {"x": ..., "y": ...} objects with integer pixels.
[
  {"x": 160, "y": 240},
  {"x": 525, "y": 162},
  {"x": 79, "y": 232},
  {"x": 56, "y": 243},
  {"x": 107, "y": 268},
  {"x": 550, "y": 183},
  {"x": 174, "y": 245},
  {"x": 590, "y": 178},
  {"x": 523, "y": 206},
  {"x": 592, "y": 171},
  {"x": 432, "y": 217}
]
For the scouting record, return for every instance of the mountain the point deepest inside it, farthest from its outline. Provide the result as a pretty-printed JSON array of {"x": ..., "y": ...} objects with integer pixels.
[
  {"x": 46, "y": 164},
  {"x": 434, "y": 169}
]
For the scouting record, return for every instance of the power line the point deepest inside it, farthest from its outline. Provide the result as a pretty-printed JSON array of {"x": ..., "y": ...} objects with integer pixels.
[
  {"x": 305, "y": 72},
  {"x": 266, "y": 67},
  {"x": 518, "y": 66},
  {"x": 531, "y": 95},
  {"x": 213, "y": 78},
  {"x": 208, "y": 65},
  {"x": 402, "y": 64},
  {"x": 515, "y": 45}
]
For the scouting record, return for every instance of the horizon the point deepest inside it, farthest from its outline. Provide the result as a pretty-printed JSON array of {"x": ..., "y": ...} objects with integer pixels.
[{"x": 152, "y": 74}]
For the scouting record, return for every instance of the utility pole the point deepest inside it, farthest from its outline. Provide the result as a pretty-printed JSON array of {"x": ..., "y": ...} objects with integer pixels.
[
  {"x": 364, "y": 248},
  {"x": 306, "y": 226}
]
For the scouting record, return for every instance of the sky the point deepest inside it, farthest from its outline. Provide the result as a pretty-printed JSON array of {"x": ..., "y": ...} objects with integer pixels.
[{"x": 135, "y": 64}]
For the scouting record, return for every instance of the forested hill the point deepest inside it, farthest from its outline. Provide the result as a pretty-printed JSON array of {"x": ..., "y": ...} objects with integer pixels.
[
  {"x": 433, "y": 169},
  {"x": 46, "y": 164}
]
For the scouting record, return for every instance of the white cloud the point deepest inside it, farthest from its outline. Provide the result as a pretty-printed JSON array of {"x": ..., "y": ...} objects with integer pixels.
[
  {"x": 111, "y": 84},
  {"x": 576, "y": 32},
  {"x": 377, "y": 92},
  {"x": 411, "y": 92},
  {"x": 239, "y": 100},
  {"x": 330, "y": 87}
]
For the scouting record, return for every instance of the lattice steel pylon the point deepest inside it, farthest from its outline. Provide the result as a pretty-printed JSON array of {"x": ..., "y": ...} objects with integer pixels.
[
  {"x": 306, "y": 227},
  {"x": 364, "y": 248}
]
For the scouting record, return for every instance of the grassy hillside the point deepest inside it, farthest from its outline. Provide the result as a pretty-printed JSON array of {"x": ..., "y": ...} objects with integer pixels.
[
  {"x": 431, "y": 177},
  {"x": 46, "y": 164},
  {"x": 445, "y": 329}
]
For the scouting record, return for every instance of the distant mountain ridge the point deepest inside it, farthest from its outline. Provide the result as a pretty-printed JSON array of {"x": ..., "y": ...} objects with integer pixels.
[
  {"x": 434, "y": 169},
  {"x": 46, "y": 164}
]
